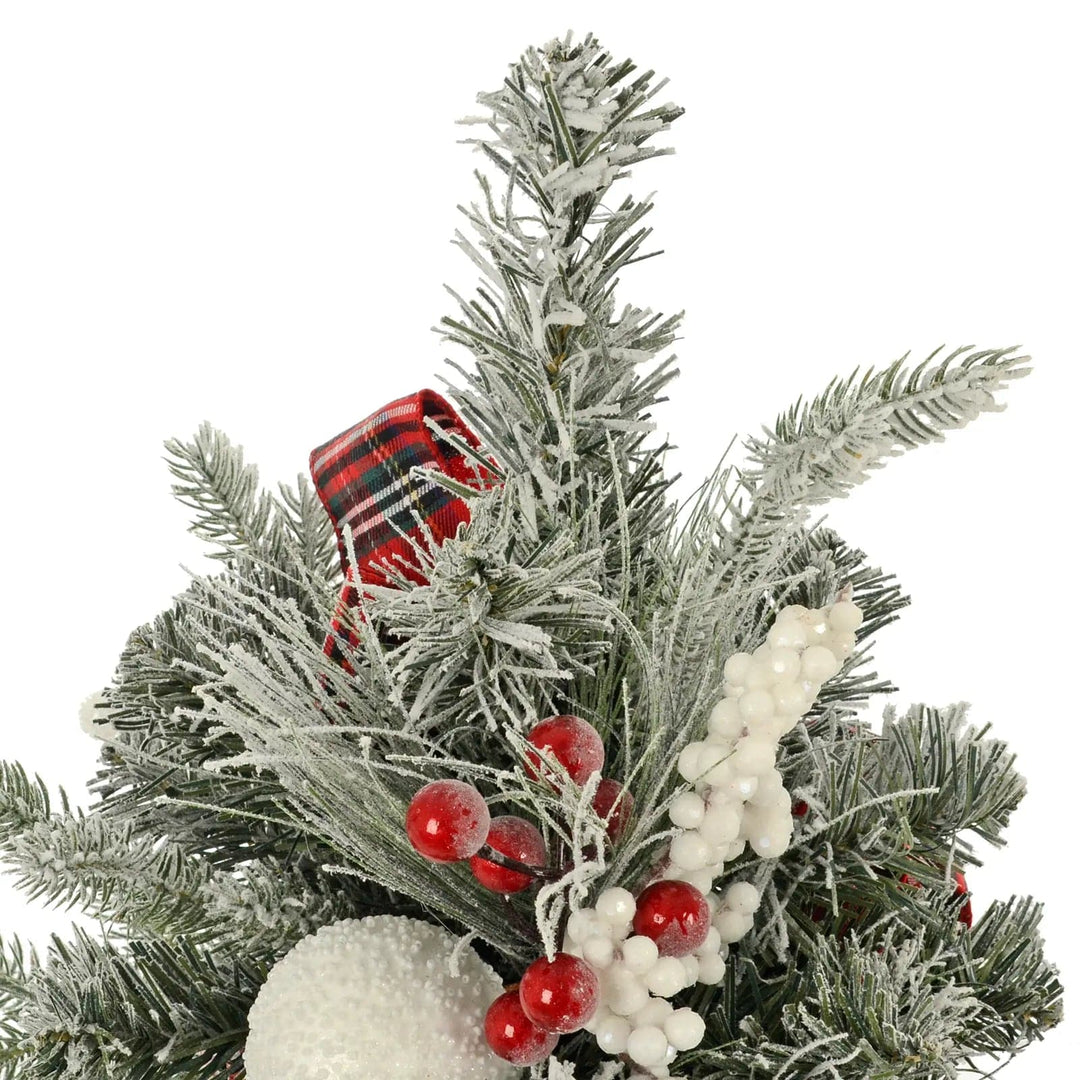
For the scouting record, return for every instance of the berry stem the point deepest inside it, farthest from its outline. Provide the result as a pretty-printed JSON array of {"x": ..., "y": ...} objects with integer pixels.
[{"x": 491, "y": 855}]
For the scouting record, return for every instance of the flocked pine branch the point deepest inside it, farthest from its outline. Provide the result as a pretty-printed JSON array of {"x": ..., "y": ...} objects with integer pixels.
[
  {"x": 555, "y": 358},
  {"x": 820, "y": 449},
  {"x": 881, "y": 810},
  {"x": 286, "y": 542},
  {"x": 890, "y": 1002},
  {"x": 140, "y": 883},
  {"x": 155, "y": 1008},
  {"x": 102, "y": 866},
  {"x": 17, "y": 963}
]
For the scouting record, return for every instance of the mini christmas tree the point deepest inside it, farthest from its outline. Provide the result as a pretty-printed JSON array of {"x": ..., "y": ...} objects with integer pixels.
[{"x": 483, "y": 754}]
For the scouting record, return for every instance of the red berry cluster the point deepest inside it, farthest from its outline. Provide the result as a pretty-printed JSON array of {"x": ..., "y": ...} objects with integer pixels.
[
  {"x": 576, "y": 746},
  {"x": 554, "y": 997},
  {"x": 448, "y": 820},
  {"x": 966, "y": 915}
]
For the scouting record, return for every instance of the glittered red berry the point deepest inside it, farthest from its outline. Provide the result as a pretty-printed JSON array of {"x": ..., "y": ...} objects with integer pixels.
[
  {"x": 518, "y": 839},
  {"x": 800, "y": 808},
  {"x": 513, "y": 1036},
  {"x": 559, "y": 995},
  {"x": 447, "y": 821},
  {"x": 675, "y": 915},
  {"x": 615, "y": 805},
  {"x": 967, "y": 916},
  {"x": 573, "y": 742}
]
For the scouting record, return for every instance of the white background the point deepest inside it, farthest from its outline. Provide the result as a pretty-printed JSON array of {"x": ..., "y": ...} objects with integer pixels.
[{"x": 242, "y": 212}]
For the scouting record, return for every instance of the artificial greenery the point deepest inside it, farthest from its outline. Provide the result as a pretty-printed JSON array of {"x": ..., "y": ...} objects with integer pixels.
[{"x": 250, "y": 790}]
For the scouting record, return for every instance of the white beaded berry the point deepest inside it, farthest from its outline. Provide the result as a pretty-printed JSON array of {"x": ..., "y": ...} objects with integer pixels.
[
  {"x": 364, "y": 992},
  {"x": 737, "y": 798},
  {"x": 94, "y": 718}
]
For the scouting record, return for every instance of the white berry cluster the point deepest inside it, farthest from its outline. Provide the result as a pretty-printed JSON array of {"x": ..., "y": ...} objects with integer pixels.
[
  {"x": 634, "y": 1016},
  {"x": 738, "y": 798}
]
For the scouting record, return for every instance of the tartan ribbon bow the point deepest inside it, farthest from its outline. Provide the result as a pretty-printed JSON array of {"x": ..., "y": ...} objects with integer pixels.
[{"x": 364, "y": 477}]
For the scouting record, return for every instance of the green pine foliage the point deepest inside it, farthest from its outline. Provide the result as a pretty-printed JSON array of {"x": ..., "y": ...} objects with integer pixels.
[{"x": 227, "y": 821}]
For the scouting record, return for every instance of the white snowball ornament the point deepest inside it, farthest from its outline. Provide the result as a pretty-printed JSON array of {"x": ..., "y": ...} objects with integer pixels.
[{"x": 380, "y": 996}]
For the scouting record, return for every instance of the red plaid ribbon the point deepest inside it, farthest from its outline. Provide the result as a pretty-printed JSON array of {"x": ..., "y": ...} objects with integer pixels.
[{"x": 364, "y": 478}]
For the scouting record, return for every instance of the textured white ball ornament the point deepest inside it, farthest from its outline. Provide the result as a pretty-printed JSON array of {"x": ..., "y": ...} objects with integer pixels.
[{"x": 375, "y": 997}]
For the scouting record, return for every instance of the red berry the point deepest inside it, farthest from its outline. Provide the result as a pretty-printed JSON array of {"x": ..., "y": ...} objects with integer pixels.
[
  {"x": 517, "y": 839},
  {"x": 800, "y": 808},
  {"x": 907, "y": 879},
  {"x": 559, "y": 995},
  {"x": 513, "y": 1036},
  {"x": 573, "y": 742},
  {"x": 967, "y": 916},
  {"x": 675, "y": 915},
  {"x": 447, "y": 821},
  {"x": 612, "y": 799}
]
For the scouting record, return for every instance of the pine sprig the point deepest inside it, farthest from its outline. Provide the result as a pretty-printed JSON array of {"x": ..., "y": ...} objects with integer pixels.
[
  {"x": 231, "y": 511},
  {"x": 820, "y": 450},
  {"x": 23, "y": 802},
  {"x": 555, "y": 360},
  {"x": 896, "y": 999},
  {"x": 976, "y": 786},
  {"x": 159, "y": 1008},
  {"x": 309, "y": 527},
  {"x": 106, "y": 869},
  {"x": 17, "y": 964},
  {"x": 881, "y": 811},
  {"x": 1006, "y": 968},
  {"x": 286, "y": 545}
]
